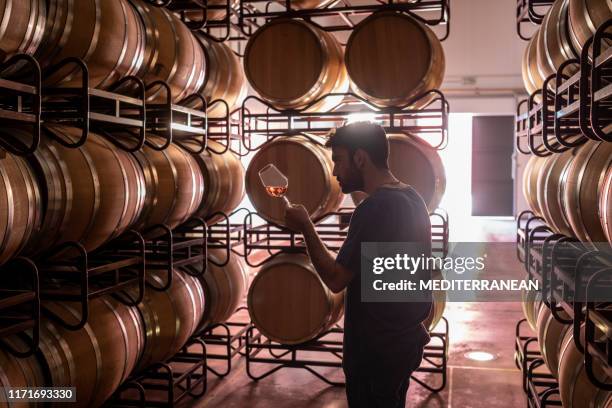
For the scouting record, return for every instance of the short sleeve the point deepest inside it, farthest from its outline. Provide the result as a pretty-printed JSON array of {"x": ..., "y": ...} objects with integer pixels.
[{"x": 360, "y": 230}]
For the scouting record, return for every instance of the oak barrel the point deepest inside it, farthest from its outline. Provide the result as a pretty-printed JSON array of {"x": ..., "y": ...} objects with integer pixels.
[
  {"x": 392, "y": 58},
  {"x": 532, "y": 78},
  {"x": 171, "y": 53},
  {"x": 605, "y": 206},
  {"x": 585, "y": 16},
  {"x": 531, "y": 301},
  {"x": 308, "y": 166},
  {"x": 550, "y": 336},
  {"x": 549, "y": 189},
  {"x": 174, "y": 185},
  {"x": 223, "y": 179},
  {"x": 554, "y": 45},
  {"x": 23, "y": 24},
  {"x": 97, "y": 358},
  {"x": 90, "y": 194},
  {"x": 107, "y": 35},
  {"x": 169, "y": 317},
  {"x": 530, "y": 182},
  {"x": 291, "y": 63},
  {"x": 20, "y": 205},
  {"x": 583, "y": 184},
  {"x": 224, "y": 287},
  {"x": 414, "y": 162},
  {"x": 575, "y": 388},
  {"x": 224, "y": 80},
  {"x": 288, "y": 302},
  {"x": 438, "y": 305},
  {"x": 18, "y": 373}
]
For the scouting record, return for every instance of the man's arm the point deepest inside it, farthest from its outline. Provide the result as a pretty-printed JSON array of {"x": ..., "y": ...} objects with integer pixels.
[{"x": 334, "y": 275}]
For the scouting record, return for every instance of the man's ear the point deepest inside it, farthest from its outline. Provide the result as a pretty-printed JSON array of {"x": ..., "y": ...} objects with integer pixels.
[{"x": 359, "y": 158}]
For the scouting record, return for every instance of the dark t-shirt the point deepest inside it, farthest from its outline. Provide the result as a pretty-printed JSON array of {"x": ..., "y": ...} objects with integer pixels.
[{"x": 379, "y": 328}]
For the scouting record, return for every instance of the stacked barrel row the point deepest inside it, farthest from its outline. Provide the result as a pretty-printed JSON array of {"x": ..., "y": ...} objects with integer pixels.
[
  {"x": 118, "y": 38},
  {"x": 564, "y": 31},
  {"x": 572, "y": 191},
  {"x": 563, "y": 358},
  {"x": 390, "y": 60},
  {"x": 120, "y": 340}
]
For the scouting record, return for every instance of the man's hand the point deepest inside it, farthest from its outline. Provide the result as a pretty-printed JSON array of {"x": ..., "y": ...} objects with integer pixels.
[{"x": 297, "y": 218}]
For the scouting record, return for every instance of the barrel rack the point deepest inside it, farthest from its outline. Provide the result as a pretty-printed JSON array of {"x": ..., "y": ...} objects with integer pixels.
[
  {"x": 569, "y": 271},
  {"x": 530, "y": 12},
  {"x": 574, "y": 101}
]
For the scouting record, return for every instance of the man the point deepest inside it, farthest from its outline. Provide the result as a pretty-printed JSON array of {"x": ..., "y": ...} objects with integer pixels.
[{"x": 383, "y": 342}]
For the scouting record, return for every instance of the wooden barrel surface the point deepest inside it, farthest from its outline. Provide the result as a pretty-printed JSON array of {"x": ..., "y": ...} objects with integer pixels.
[
  {"x": 438, "y": 305},
  {"x": 171, "y": 53},
  {"x": 585, "y": 16},
  {"x": 225, "y": 78},
  {"x": 107, "y": 35},
  {"x": 223, "y": 180},
  {"x": 288, "y": 302},
  {"x": 549, "y": 188},
  {"x": 583, "y": 183},
  {"x": 392, "y": 58},
  {"x": 20, "y": 205},
  {"x": 23, "y": 24},
  {"x": 531, "y": 303},
  {"x": 169, "y": 317},
  {"x": 224, "y": 287},
  {"x": 174, "y": 185},
  {"x": 91, "y": 194},
  {"x": 18, "y": 373},
  {"x": 291, "y": 63},
  {"x": 97, "y": 358},
  {"x": 530, "y": 182},
  {"x": 550, "y": 337},
  {"x": 307, "y": 165},
  {"x": 575, "y": 388},
  {"x": 554, "y": 44},
  {"x": 307, "y": 4},
  {"x": 532, "y": 79},
  {"x": 605, "y": 206},
  {"x": 413, "y": 161}
]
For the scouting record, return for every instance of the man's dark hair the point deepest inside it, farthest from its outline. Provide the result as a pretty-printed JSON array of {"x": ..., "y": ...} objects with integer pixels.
[{"x": 368, "y": 136}]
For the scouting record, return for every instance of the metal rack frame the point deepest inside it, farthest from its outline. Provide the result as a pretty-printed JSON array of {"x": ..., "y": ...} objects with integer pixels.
[
  {"x": 260, "y": 118},
  {"x": 526, "y": 13},
  {"x": 20, "y": 100},
  {"x": 419, "y": 9}
]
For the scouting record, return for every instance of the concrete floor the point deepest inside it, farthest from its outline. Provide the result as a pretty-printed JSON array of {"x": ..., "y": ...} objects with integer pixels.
[{"x": 473, "y": 327}]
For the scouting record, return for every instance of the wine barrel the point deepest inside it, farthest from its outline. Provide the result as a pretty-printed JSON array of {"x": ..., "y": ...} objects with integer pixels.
[
  {"x": 18, "y": 373},
  {"x": 554, "y": 45},
  {"x": 530, "y": 182},
  {"x": 169, "y": 317},
  {"x": 174, "y": 185},
  {"x": 549, "y": 187},
  {"x": 291, "y": 63},
  {"x": 225, "y": 78},
  {"x": 224, "y": 287},
  {"x": 532, "y": 79},
  {"x": 575, "y": 388},
  {"x": 107, "y": 35},
  {"x": 550, "y": 336},
  {"x": 97, "y": 358},
  {"x": 307, "y": 4},
  {"x": 20, "y": 205},
  {"x": 288, "y": 302},
  {"x": 308, "y": 166},
  {"x": 23, "y": 24},
  {"x": 531, "y": 303},
  {"x": 392, "y": 58},
  {"x": 585, "y": 16},
  {"x": 413, "y": 161},
  {"x": 605, "y": 206},
  {"x": 91, "y": 194},
  {"x": 438, "y": 305},
  {"x": 171, "y": 53},
  {"x": 583, "y": 183},
  {"x": 224, "y": 180}
]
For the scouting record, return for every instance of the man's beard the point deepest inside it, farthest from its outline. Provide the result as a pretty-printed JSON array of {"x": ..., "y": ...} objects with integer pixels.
[{"x": 353, "y": 182}]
